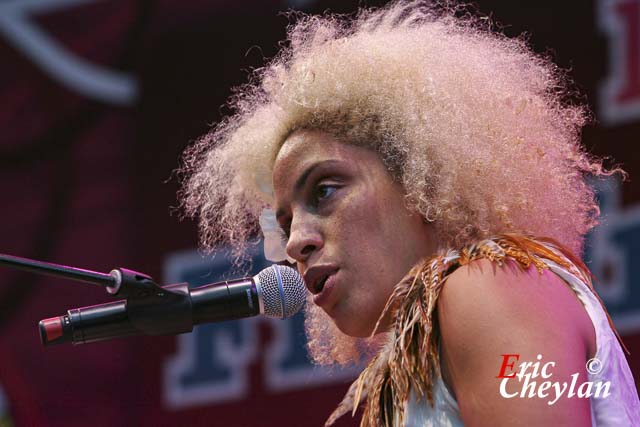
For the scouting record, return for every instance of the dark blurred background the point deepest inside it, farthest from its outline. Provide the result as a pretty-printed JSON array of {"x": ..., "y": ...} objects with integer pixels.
[{"x": 97, "y": 101}]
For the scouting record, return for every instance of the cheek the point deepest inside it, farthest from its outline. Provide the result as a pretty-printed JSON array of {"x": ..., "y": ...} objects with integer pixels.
[
  {"x": 377, "y": 226},
  {"x": 361, "y": 227},
  {"x": 370, "y": 243},
  {"x": 384, "y": 240},
  {"x": 371, "y": 237}
]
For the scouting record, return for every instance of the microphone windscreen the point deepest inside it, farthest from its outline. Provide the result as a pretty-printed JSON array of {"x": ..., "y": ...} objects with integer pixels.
[{"x": 282, "y": 289}]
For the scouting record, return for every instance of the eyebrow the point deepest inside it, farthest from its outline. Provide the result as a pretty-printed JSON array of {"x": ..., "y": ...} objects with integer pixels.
[{"x": 302, "y": 179}]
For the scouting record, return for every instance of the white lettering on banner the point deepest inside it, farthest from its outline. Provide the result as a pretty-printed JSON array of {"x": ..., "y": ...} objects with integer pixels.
[
  {"x": 211, "y": 364},
  {"x": 607, "y": 258},
  {"x": 619, "y": 97},
  {"x": 612, "y": 252},
  {"x": 59, "y": 63}
]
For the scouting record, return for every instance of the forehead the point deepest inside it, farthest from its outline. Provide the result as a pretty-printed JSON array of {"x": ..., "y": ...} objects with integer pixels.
[
  {"x": 309, "y": 145},
  {"x": 304, "y": 149}
]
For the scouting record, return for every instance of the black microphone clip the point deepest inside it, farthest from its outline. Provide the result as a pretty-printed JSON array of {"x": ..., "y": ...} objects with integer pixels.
[
  {"x": 149, "y": 309},
  {"x": 153, "y": 309}
]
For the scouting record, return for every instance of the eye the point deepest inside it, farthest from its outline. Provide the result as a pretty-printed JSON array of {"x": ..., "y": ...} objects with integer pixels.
[{"x": 323, "y": 192}]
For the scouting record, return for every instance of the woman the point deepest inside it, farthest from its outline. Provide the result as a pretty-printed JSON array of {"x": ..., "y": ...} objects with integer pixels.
[{"x": 428, "y": 179}]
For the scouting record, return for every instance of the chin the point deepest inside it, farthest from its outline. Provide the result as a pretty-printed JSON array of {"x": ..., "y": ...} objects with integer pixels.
[
  {"x": 357, "y": 326},
  {"x": 353, "y": 326}
]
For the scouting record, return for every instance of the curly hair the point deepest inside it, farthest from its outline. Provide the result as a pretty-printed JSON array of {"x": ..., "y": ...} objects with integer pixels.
[{"x": 483, "y": 133}]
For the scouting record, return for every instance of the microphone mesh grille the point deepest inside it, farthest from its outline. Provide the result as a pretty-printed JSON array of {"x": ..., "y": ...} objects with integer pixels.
[{"x": 283, "y": 291}]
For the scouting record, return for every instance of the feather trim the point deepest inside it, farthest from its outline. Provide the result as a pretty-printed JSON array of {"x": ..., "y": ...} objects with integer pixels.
[{"x": 409, "y": 361}]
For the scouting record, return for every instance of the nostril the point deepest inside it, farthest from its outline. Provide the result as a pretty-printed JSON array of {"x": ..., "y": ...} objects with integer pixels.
[{"x": 308, "y": 249}]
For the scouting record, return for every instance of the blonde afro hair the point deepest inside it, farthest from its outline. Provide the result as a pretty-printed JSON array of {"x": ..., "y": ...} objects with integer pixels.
[{"x": 481, "y": 131}]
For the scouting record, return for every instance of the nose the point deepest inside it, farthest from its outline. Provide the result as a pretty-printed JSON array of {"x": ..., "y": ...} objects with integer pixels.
[{"x": 305, "y": 238}]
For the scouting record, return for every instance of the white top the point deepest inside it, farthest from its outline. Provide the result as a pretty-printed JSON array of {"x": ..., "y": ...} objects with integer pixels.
[{"x": 620, "y": 408}]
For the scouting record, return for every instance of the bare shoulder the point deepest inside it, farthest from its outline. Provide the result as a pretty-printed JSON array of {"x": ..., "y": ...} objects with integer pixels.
[
  {"x": 483, "y": 297},
  {"x": 486, "y": 311}
]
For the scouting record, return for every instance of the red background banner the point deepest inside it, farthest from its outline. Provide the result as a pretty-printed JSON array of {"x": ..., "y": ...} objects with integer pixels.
[{"x": 98, "y": 101}]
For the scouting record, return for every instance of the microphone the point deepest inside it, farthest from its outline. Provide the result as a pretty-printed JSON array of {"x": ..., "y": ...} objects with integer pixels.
[{"x": 276, "y": 291}]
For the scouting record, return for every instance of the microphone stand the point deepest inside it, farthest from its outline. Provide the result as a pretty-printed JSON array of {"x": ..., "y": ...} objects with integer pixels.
[
  {"x": 150, "y": 309},
  {"x": 46, "y": 268}
]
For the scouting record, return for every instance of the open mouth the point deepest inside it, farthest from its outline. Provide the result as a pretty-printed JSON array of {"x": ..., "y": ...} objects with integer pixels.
[
  {"x": 317, "y": 278},
  {"x": 320, "y": 284}
]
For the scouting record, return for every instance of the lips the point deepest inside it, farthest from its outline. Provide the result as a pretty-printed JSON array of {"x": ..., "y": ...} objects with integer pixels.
[
  {"x": 316, "y": 277},
  {"x": 323, "y": 297}
]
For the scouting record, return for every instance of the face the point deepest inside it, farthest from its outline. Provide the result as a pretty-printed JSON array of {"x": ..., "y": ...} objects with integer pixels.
[{"x": 348, "y": 227}]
